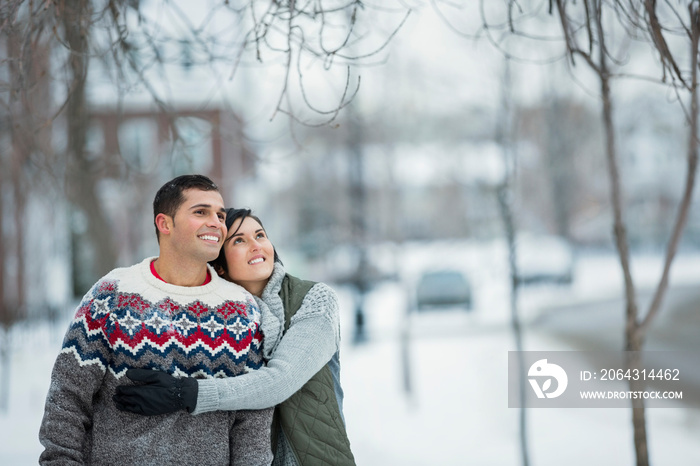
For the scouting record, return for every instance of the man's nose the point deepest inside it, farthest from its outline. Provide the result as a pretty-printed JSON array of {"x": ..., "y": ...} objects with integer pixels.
[{"x": 215, "y": 221}]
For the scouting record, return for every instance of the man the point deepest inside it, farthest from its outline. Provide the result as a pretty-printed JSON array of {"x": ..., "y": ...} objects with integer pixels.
[{"x": 170, "y": 313}]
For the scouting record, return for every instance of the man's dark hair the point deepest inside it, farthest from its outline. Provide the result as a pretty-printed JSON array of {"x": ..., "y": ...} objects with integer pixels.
[
  {"x": 231, "y": 216},
  {"x": 170, "y": 196}
]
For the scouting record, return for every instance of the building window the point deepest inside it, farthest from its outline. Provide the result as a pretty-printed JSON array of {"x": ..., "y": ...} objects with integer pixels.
[
  {"x": 138, "y": 143},
  {"x": 192, "y": 150}
]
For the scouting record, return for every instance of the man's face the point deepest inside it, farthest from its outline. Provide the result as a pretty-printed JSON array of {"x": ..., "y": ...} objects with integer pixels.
[{"x": 198, "y": 228}]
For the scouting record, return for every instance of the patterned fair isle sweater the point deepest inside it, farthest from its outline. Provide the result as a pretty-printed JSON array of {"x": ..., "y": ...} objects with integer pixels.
[{"x": 131, "y": 319}]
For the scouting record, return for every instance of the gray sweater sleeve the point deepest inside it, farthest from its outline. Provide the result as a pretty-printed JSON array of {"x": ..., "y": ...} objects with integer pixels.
[
  {"x": 311, "y": 341},
  {"x": 77, "y": 376}
]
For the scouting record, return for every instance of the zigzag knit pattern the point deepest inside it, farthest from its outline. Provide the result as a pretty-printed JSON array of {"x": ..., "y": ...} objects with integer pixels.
[{"x": 117, "y": 328}]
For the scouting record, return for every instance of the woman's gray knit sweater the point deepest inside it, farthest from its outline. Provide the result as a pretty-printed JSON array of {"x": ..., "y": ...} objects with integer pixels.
[{"x": 310, "y": 343}]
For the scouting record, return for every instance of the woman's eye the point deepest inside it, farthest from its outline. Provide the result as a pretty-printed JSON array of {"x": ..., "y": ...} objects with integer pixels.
[{"x": 237, "y": 240}]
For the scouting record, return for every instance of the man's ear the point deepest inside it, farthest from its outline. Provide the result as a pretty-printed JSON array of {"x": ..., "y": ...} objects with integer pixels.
[{"x": 164, "y": 223}]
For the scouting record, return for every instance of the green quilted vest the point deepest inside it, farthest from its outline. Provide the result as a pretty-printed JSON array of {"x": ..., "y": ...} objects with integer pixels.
[{"x": 310, "y": 419}]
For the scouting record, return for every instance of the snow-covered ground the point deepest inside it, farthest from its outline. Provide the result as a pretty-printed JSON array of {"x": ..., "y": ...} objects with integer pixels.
[{"x": 456, "y": 412}]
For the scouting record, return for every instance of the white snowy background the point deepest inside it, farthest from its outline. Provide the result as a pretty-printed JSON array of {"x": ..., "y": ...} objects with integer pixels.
[{"x": 457, "y": 413}]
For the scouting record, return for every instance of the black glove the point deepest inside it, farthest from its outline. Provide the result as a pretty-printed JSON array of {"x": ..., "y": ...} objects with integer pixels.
[{"x": 160, "y": 394}]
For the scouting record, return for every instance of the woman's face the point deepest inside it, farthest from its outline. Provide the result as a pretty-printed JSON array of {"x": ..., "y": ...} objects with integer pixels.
[{"x": 249, "y": 255}]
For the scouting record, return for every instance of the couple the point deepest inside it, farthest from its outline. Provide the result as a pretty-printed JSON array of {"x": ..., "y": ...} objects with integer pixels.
[{"x": 208, "y": 354}]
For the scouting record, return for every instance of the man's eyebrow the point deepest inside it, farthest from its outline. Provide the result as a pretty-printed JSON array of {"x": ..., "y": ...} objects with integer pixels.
[{"x": 207, "y": 206}]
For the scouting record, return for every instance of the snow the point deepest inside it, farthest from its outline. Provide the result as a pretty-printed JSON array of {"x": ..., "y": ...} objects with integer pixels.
[{"x": 456, "y": 412}]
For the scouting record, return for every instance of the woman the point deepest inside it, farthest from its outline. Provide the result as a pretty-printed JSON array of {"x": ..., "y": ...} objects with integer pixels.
[{"x": 300, "y": 323}]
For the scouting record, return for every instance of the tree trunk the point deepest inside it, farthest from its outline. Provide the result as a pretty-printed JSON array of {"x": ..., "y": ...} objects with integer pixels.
[
  {"x": 506, "y": 210},
  {"x": 4, "y": 315},
  {"x": 358, "y": 214},
  {"x": 504, "y": 193},
  {"x": 26, "y": 83},
  {"x": 5, "y": 356},
  {"x": 633, "y": 341},
  {"x": 20, "y": 204},
  {"x": 634, "y": 355},
  {"x": 82, "y": 176}
]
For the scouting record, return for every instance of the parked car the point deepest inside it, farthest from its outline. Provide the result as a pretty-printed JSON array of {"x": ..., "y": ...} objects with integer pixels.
[{"x": 442, "y": 289}]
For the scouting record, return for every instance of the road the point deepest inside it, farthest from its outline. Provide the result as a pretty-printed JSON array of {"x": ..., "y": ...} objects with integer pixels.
[{"x": 599, "y": 326}]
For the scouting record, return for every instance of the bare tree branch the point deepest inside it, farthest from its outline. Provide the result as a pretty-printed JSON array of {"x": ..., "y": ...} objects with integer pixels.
[{"x": 691, "y": 170}]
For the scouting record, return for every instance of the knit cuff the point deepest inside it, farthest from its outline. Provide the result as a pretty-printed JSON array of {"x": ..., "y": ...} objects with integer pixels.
[{"x": 207, "y": 396}]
